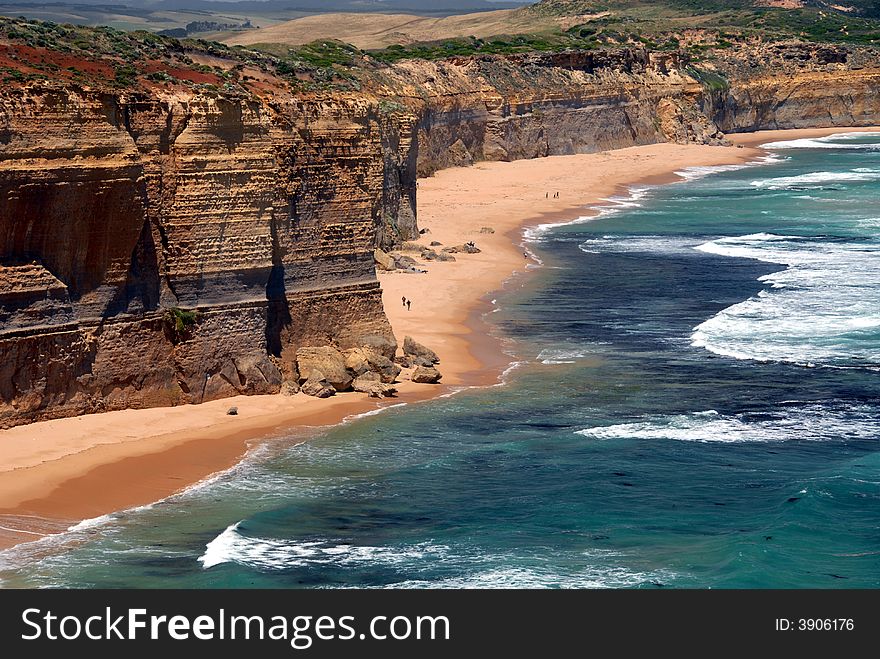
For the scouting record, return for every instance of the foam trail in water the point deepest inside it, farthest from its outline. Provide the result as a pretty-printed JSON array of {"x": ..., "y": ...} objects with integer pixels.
[
  {"x": 531, "y": 577},
  {"x": 231, "y": 546},
  {"x": 698, "y": 172},
  {"x": 820, "y": 310},
  {"x": 808, "y": 422},
  {"x": 836, "y": 141},
  {"x": 565, "y": 355},
  {"x": 612, "y": 205},
  {"x": 817, "y": 179},
  {"x": 470, "y": 566}
]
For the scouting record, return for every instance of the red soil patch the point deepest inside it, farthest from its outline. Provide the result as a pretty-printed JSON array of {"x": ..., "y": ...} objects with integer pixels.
[
  {"x": 153, "y": 66},
  {"x": 28, "y": 59}
]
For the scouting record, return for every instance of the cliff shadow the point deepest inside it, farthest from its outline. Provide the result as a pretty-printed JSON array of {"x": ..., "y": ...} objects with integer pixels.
[
  {"x": 278, "y": 311},
  {"x": 140, "y": 293}
]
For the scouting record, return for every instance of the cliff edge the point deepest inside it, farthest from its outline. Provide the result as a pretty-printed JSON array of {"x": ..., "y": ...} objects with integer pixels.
[{"x": 177, "y": 220}]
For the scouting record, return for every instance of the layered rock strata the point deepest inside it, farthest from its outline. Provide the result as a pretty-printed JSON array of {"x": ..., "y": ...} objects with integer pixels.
[
  {"x": 158, "y": 251},
  {"x": 169, "y": 245}
]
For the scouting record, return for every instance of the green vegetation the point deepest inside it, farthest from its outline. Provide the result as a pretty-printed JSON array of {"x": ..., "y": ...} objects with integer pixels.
[
  {"x": 8, "y": 74},
  {"x": 818, "y": 22},
  {"x": 129, "y": 46},
  {"x": 697, "y": 27},
  {"x": 322, "y": 64},
  {"x": 712, "y": 81},
  {"x": 327, "y": 54},
  {"x": 390, "y": 107},
  {"x": 816, "y": 25},
  {"x": 500, "y": 45},
  {"x": 657, "y": 25},
  {"x": 179, "y": 323}
]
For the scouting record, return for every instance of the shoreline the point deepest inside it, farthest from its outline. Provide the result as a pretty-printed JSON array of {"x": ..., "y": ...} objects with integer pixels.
[{"x": 102, "y": 463}]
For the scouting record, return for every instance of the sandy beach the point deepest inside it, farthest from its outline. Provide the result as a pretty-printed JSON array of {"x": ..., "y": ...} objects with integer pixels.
[{"x": 56, "y": 473}]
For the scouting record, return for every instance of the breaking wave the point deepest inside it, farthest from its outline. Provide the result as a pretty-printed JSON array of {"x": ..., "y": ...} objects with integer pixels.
[{"x": 822, "y": 309}]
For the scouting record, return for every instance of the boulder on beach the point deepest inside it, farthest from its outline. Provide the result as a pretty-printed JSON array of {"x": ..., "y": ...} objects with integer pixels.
[
  {"x": 383, "y": 260},
  {"x": 329, "y": 361},
  {"x": 365, "y": 380},
  {"x": 426, "y": 375},
  {"x": 487, "y": 230},
  {"x": 317, "y": 385},
  {"x": 387, "y": 369},
  {"x": 381, "y": 390},
  {"x": 356, "y": 362},
  {"x": 403, "y": 262},
  {"x": 416, "y": 350},
  {"x": 371, "y": 384},
  {"x": 380, "y": 343},
  {"x": 466, "y": 248}
]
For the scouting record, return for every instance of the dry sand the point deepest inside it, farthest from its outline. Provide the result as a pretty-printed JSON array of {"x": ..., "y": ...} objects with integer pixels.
[{"x": 55, "y": 473}]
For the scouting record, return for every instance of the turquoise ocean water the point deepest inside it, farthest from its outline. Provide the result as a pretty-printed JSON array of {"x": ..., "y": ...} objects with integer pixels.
[{"x": 694, "y": 402}]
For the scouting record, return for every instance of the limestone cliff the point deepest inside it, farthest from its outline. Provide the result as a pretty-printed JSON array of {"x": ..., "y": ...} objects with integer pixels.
[
  {"x": 794, "y": 86},
  {"x": 530, "y": 106},
  {"x": 177, "y": 239},
  {"x": 124, "y": 215}
]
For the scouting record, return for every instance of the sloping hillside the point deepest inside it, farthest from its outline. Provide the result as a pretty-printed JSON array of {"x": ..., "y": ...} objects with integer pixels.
[{"x": 381, "y": 30}]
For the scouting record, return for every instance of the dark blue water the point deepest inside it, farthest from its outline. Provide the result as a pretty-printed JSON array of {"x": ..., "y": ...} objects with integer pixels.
[{"x": 696, "y": 405}]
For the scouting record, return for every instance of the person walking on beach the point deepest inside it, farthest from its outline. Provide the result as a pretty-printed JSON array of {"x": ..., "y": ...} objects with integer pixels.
[
  {"x": 408, "y": 302},
  {"x": 403, "y": 299}
]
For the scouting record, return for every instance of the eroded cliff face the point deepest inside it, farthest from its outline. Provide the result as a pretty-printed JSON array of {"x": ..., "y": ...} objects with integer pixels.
[
  {"x": 121, "y": 215},
  {"x": 794, "y": 86},
  {"x": 174, "y": 244},
  {"x": 530, "y": 106}
]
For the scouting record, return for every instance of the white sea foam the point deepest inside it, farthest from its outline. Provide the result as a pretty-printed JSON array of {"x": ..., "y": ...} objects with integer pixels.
[
  {"x": 535, "y": 233},
  {"x": 472, "y": 566},
  {"x": 808, "y": 422},
  {"x": 869, "y": 223},
  {"x": 698, "y": 172},
  {"x": 638, "y": 244},
  {"x": 636, "y": 194},
  {"x": 814, "y": 179},
  {"x": 513, "y": 366},
  {"x": 564, "y": 355},
  {"x": 612, "y": 205},
  {"x": 820, "y": 310},
  {"x": 378, "y": 410},
  {"x": 836, "y": 141},
  {"x": 231, "y": 546},
  {"x": 528, "y": 577}
]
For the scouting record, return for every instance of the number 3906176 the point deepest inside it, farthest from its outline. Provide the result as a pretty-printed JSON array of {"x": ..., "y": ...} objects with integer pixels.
[{"x": 816, "y": 624}]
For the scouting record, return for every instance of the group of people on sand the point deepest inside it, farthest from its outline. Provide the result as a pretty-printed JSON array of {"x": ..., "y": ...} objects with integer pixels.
[
  {"x": 406, "y": 302},
  {"x": 547, "y": 195}
]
